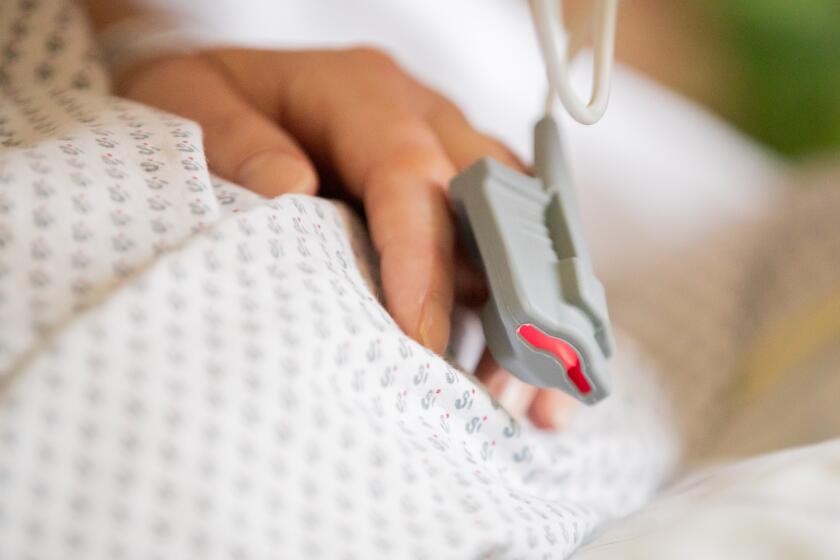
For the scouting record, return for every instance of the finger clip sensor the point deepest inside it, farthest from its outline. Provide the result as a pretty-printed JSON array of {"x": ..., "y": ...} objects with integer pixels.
[{"x": 546, "y": 321}]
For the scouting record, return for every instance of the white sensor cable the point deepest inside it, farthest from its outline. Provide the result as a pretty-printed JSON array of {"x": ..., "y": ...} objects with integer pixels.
[{"x": 554, "y": 43}]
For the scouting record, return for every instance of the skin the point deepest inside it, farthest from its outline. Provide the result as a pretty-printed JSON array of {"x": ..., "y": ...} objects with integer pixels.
[{"x": 273, "y": 119}]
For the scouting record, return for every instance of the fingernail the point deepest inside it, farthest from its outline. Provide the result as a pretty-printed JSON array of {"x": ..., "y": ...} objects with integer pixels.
[
  {"x": 272, "y": 174},
  {"x": 434, "y": 325}
]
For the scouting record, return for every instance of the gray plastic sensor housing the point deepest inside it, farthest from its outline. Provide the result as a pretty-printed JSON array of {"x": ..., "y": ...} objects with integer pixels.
[{"x": 546, "y": 320}]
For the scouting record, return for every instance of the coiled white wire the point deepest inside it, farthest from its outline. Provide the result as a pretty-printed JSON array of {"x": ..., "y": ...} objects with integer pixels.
[{"x": 555, "y": 45}]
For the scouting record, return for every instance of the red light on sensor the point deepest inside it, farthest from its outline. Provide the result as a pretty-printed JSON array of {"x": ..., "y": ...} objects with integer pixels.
[{"x": 561, "y": 350}]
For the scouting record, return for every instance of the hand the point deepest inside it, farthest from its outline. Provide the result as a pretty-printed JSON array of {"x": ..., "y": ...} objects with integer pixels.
[{"x": 393, "y": 143}]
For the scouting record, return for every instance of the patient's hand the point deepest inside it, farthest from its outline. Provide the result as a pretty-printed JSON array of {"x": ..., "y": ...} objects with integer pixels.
[{"x": 393, "y": 143}]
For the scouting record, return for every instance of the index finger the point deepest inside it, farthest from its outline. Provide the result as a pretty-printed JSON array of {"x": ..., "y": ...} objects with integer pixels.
[
  {"x": 408, "y": 214},
  {"x": 368, "y": 127}
]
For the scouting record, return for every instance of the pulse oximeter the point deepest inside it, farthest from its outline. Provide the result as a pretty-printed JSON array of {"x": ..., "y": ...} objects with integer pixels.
[{"x": 546, "y": 320}]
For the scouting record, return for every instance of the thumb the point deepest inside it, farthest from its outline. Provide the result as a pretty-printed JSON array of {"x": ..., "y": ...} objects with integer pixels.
[{"x": 242, "y": 144}]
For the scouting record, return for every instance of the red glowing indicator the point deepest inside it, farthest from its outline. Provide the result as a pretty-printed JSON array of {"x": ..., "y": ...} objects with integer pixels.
[{"x": 560, "y": 349}]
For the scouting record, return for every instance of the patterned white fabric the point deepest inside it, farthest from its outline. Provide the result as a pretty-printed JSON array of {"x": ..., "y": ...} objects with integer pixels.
[{"x": 187, "y": 370}]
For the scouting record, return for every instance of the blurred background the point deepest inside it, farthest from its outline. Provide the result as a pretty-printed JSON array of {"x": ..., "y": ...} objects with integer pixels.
[{"x": 770, "y": 67}]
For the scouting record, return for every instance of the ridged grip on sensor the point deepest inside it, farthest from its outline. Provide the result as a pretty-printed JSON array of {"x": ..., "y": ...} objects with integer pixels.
[{"x": 526, "y": 234}]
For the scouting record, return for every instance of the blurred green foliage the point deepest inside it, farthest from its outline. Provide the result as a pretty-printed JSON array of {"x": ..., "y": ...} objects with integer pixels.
[{"x": 787, "y": 54}]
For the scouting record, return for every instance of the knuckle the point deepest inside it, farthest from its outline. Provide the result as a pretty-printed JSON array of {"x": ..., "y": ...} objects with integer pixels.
[
  {"x": 385, "y": 82},
  {"x": 412, "y": 161},
  {"x": 406, "y": 131},
  {"x": 443, "y": 106},
  {"x": 373, "y": 57}
]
